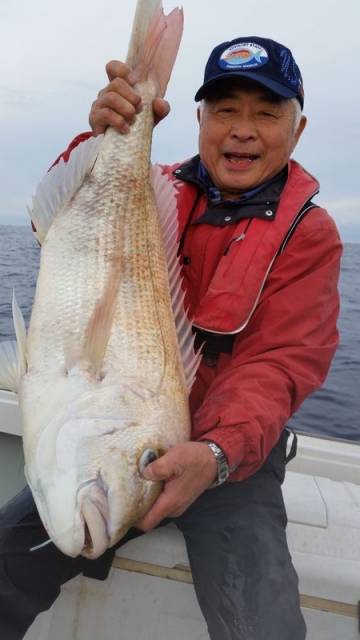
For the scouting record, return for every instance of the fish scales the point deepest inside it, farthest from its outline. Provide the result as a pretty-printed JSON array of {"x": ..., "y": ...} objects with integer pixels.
[
  {"x": 111, "y": 224},
  {"x": 101, "y": 383},
  {"x": 108, "y": 219}
]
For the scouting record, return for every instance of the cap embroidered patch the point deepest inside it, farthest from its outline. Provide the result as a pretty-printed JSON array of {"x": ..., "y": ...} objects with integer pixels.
[{"x": 243, "y": 55}]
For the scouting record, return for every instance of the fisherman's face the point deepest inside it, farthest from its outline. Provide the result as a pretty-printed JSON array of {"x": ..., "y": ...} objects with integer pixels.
[{"x": 246, "y": 136}]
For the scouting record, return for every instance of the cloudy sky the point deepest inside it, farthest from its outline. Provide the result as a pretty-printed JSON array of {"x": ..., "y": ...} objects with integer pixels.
[{"x": 53, "y": 56}]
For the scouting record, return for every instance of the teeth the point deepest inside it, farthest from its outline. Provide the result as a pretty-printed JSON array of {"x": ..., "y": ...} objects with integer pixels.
[{"x": 238, "y": 160}]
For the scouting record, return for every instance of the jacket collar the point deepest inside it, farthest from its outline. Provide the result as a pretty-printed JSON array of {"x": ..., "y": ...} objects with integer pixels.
[{"x": 260, "y": 203}]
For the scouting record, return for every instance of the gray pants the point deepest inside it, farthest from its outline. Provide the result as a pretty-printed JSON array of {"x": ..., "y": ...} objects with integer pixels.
[{"x": 245, "y": 582}]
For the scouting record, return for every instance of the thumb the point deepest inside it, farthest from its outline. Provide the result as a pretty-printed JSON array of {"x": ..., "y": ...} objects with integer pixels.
[
  {"x": 161, "y": 109},
  {"x": 163, "y": 468}
]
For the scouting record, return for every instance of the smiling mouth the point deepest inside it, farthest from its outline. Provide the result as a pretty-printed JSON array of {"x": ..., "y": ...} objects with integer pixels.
[{"x": 241, "y": 159}]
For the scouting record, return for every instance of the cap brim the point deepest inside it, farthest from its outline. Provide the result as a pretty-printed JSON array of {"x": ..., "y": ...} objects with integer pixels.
[{"x": 275, "y": 87}]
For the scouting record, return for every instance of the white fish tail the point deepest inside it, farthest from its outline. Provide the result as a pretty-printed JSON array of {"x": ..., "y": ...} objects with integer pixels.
[{"x": 154, "y": 43}]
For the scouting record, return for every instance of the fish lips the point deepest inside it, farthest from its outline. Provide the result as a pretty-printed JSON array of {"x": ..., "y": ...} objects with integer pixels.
[
  {"x": 94, "y": 515},
  {"x": 96, "y": 539}
]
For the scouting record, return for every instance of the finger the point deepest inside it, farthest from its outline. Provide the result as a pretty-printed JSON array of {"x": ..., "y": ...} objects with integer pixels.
[
  {"x": 164, "y": 468},
  {"x": 117, "y": 69},
  {"x": 121, "y": 87},
  {"x": 119, "y": 104},
  {"x": 103, "y": 118},
  {"x": 161, "y": 109},
  {"x": 111, "y": 109},
  {"x": 162, "y": 508}
]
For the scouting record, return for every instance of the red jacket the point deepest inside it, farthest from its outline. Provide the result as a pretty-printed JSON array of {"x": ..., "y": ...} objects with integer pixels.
[{"x": 282, "y": 308}]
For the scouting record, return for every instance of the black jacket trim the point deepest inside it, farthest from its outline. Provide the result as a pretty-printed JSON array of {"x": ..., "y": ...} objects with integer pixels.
[{"x": 302, "y": 213}]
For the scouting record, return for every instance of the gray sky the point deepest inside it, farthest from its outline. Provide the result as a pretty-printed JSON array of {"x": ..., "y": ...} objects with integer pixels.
[{"x": 53, "y": 56}]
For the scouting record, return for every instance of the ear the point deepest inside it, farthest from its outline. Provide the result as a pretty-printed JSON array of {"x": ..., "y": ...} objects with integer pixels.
[
  {"x": 198, "y": 115},
  {"x": 299, "y": 130}
]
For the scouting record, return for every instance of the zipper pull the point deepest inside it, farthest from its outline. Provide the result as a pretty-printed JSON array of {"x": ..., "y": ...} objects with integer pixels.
[{"x": 242, "y": 236}]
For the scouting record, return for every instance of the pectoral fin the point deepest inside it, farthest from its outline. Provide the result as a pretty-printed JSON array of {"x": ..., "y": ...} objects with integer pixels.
[
  {"x": 9, "y": 366},
  {"x": 165, "y": 195},
  {"x": 20, "y": 332},
  {"x": 13, "y": 354}
]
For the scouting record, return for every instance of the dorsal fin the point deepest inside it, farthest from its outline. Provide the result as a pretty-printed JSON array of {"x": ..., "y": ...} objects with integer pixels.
[
  {"x": 165, "y": 194},
  {"x": 60, "y": 184}
]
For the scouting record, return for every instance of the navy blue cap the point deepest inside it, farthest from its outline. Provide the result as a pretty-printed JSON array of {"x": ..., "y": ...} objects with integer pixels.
[{"x": 265, "y": 61}]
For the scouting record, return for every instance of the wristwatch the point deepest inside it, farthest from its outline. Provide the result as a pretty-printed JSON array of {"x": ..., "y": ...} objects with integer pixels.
[{"x": 221, "y": 461}]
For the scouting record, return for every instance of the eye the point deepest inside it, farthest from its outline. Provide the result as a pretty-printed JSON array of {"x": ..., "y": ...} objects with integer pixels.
[
  {"x": 268, "y": 114},
  {"x": 147, "y": 457},
  {"x": 226, "y": 110}
]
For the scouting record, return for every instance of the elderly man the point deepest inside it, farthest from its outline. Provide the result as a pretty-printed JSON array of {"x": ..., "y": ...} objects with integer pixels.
[{"x": 260, "y": 266}]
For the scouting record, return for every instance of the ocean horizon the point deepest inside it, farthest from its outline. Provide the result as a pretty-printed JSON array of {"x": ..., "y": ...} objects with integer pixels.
[{"x": 331, "y": 412}]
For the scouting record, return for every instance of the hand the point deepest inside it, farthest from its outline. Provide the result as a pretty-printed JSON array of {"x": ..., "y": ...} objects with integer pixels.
[
  {"x": 119, "y": 102},
  {"x": 187, "y": 471}
]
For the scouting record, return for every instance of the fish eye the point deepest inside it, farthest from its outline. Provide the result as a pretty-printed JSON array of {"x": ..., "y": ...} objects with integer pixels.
[{"x": 148, "y": 456}]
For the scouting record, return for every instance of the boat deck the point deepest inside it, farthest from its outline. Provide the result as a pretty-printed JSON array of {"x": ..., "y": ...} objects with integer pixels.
[{"x": 149, "y": 593}]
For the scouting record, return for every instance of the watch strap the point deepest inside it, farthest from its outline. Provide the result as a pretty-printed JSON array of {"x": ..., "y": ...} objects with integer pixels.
[{"x": 221, "y": 461}]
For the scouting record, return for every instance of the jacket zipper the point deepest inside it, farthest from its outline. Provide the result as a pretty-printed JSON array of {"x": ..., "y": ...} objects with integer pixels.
[
  {"x": 239, "y": 238},
  {"x": 240, "y": 329}
]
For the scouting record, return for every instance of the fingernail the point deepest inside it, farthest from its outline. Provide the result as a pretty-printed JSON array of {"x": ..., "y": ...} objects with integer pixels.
[
  {"x": 125, "y": 128},
  {"x": 132, "y": 79}
]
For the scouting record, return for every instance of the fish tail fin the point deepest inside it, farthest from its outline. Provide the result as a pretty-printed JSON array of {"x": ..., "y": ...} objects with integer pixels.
[{"x": 154, "y": 43}]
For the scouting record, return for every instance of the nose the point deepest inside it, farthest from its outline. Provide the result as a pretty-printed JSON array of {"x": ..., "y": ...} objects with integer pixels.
[{"x": 243, "y": 129}]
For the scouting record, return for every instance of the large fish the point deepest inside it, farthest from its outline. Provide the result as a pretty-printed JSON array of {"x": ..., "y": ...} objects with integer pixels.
[{"x": 103, "y": 376}]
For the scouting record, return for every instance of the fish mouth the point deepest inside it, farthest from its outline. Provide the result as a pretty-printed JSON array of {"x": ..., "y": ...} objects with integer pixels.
[
  {"x": 96, "y": 539},
  {"x": 94, "y": 512}
]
